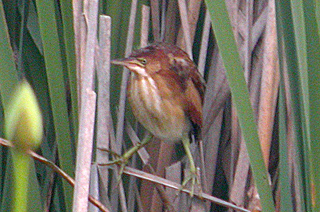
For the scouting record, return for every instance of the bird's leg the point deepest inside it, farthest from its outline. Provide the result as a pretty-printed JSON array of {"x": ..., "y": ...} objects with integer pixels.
[
  {"x": 193, "y": 177},
  {"x": 123, "y": 160}
]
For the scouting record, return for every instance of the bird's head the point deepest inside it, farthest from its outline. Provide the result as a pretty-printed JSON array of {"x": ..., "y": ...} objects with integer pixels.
[{"x": 154, "y": 58}]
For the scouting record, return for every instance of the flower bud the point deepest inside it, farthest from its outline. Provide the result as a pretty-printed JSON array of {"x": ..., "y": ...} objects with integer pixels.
[{"x": 23, "y": 120}]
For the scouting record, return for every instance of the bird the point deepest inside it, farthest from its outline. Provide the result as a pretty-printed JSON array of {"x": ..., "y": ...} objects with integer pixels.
[{"x": 166, "y": 94}]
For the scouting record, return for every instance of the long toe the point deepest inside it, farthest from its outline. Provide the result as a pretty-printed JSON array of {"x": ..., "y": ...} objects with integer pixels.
[{"x": 195, "y": 183}]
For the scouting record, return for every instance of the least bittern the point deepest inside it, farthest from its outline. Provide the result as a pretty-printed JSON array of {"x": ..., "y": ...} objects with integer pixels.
[{"x": 165, "y": 92}]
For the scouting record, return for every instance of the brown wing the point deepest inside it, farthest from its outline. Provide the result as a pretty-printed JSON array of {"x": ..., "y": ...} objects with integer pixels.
[
  {"x": 193, "y": 86},
  {"x": 195, "y": 95}
]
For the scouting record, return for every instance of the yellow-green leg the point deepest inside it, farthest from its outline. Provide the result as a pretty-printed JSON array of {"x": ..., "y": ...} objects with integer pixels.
[
  {"x": 193, "y": 170},
  {"x": 123, "y": 160}
]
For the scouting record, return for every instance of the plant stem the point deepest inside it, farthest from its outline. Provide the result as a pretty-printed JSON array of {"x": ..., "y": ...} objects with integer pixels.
[{"x": 21, "y": 163}]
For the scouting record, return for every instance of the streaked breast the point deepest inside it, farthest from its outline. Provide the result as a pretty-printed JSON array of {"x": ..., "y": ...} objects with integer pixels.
[{"x": 163, "y": 117}]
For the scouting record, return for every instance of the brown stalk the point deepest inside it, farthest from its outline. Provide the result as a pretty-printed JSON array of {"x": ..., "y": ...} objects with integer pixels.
[
  {"x": 189, "y": 18},
  {"x": 84, "y": 151},
  {"x": 162, "y": 160},
  {"x": 88, "y": 31},
  {"x": 217, "y": 92},
  {"x": 170, "y": 22},
  {"x": 104, "y": 127},
  {"x": 159, "y": 180},
  {"x": 155, "y": 17},
  {"x": 204, "y": 44},
  {"x": 144, "y": 26},
  {"x": 269, "y": 85},
  {"x": 185, "y": 27}
]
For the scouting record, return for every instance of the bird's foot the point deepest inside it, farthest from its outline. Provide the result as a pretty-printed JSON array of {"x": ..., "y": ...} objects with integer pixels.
[
  {"x": 193, "y": 178},
  {"x": 120, "y": 161}
]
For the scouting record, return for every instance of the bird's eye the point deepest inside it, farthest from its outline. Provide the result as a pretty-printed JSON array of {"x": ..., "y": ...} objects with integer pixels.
[{"x": 143, "y": 61}]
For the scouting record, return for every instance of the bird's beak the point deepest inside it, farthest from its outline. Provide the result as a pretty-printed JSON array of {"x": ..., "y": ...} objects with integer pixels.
[
  {"x": 132, "y": 64},
  {"x": 127, "y": 62}
]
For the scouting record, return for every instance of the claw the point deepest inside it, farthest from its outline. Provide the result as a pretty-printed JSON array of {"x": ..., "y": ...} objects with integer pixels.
[
  {"x": 123, "y": 160},
  {"x": 193, "y": 174},
  {"x": 192, "y": 178}
]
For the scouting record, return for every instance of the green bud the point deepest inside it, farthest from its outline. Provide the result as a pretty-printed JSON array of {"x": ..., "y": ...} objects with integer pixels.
[{"x": 23, "y": 120}]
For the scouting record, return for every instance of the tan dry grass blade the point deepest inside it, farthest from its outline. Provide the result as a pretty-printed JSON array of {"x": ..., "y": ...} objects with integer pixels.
[
  {"x": 191, "y": 19},
  {"x": 185, "y": 27},
  {"x": 217, "y": 93},
  {"x": 269, "y": 84},
  {"x": 204, "y": 44},
  {"x": 87, "y": 99},
  {"x": 104, "y": 128},
  {"x": 171, "y": 19},
  {"x": 144, "y": 26},
  {"x": 155, "y": 17},
  {"x": 84, "y": 151}
]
